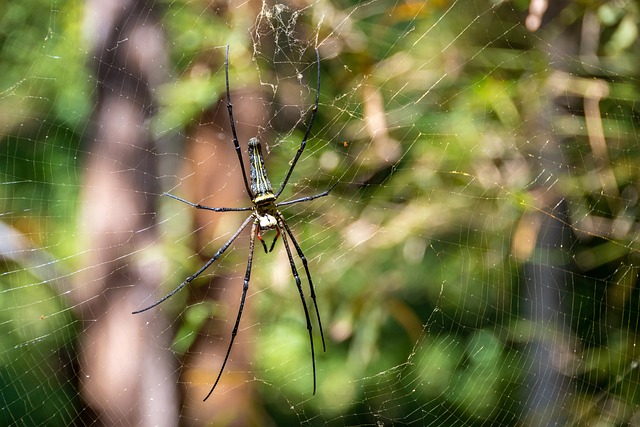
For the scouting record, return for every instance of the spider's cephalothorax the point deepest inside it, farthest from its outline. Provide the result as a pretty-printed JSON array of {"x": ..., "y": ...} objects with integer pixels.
[{"x": 264, "y": 216}]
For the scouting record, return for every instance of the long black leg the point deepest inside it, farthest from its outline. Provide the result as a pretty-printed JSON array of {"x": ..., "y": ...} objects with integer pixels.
[
  {"x": 306, "y": 135},
  {"x": 245, "y": 288},
  {"x": 294, "y": 271},
  {"x": 233, "y": 125},
  {"x": 306, "y": 269},
  {"x": 204, "y": 267},
  {"x": 308, "y": 198},
  {"x": 197, "y": 206},
  {"x": 275, "y": 239}
]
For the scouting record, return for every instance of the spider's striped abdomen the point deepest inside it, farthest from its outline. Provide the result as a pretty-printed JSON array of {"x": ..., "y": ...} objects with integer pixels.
[{"x": 259, "y": 182}]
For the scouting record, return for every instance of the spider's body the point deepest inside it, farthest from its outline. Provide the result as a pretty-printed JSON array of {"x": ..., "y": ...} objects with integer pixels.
[
  {"x": 265, "y": 215},
  {"x": 261, "y": 191}
]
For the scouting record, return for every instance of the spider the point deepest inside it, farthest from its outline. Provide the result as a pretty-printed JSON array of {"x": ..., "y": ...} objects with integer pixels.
[{"x": 264, "y": 216}]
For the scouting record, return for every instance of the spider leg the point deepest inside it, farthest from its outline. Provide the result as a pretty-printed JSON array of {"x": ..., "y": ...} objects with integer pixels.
[
  {"x": 308, "y": 198},
  {"x": 275, "y": 239},
  {"x": 306, "y": 134},
  {"x": 236, "y": 144},
  {"x": 294, "y": 271},
  {"x": 197, "y": 206},
  {"x": 202, "y": 269},
  {"x": 245, "y": 288},
  {"x": 306, "y": 269},
  {"x": 264, "y": 245}
]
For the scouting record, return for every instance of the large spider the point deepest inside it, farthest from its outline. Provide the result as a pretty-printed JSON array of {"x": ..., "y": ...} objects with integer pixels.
[{"x": 264, "y": 216}]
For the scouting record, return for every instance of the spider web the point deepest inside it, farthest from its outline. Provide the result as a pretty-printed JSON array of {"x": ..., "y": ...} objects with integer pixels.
[{"x": 475, "y": 264}]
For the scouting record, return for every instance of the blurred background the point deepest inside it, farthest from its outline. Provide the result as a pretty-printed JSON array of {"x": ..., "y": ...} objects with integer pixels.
[{"x": 475, "y": 264}]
